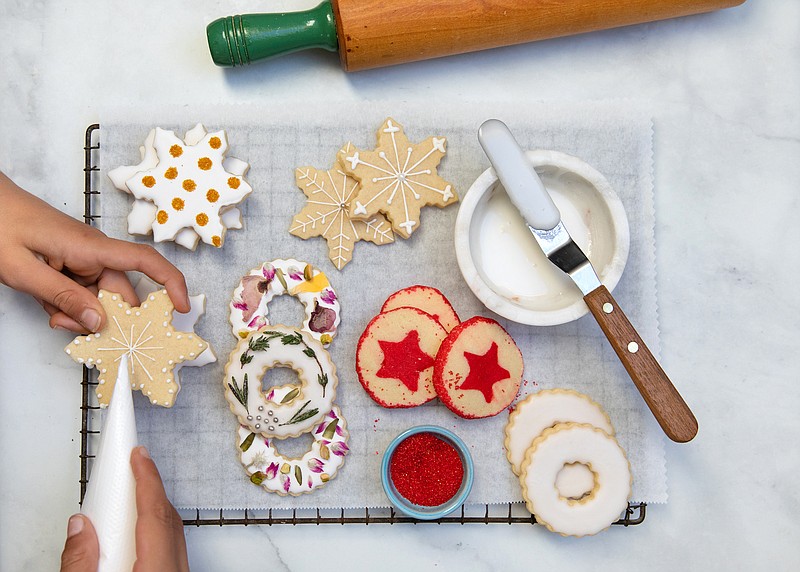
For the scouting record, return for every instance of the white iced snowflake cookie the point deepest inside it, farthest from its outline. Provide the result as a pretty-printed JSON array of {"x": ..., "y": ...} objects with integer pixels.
[
  {"x": 544, "y": 409},
  {"x": 296, "y": 412},
  {"x": 249, "y": 307},
  {"x": 277, "y": 473},
  {"x": 185, "y": 190},
  {"x": 559, "y": 446}
]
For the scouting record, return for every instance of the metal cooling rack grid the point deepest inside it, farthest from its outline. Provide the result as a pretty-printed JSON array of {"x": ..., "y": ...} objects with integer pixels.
[{"x": 509, "y": 513}]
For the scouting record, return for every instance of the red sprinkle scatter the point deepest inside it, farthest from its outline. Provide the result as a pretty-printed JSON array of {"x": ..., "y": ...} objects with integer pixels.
[{"x": 426, "y": 470}]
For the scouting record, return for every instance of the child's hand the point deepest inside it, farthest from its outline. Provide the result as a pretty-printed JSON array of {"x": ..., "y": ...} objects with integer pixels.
[
  {"x": 63, "y": 263},
  {"x": 160, "y": 544}
]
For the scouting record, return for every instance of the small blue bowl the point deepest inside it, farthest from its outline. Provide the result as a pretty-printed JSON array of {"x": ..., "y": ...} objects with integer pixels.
[{"x": 428, "y": 512}]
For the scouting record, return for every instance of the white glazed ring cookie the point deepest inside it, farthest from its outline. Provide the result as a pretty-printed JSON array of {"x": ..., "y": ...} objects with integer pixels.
[
  {"x": 544, "y": 409},
  {"x": 296, "y": 412},
  {"x": 287, "y": 476},
  {"x": 249, "y": 307},
  {"x": 576, "y": 443}
]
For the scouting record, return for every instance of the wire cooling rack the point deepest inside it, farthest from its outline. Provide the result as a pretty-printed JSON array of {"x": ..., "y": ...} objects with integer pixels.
[{"x": 509, "y": 513}]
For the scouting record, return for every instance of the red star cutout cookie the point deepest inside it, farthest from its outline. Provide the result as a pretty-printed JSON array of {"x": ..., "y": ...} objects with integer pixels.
[
  {"x": 404, "y": 360},
  {"x": 478, "y": 369},
  {"x": 484, "y": 372},
  {"x": 394, "y": 357}
]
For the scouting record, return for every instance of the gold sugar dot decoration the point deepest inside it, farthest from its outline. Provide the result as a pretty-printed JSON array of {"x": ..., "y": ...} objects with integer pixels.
[
  {"x": 171, "y": 173},
  {"x": 176, "y": 150},
  {"x": 178, "y": 204},
  {"x": 148, "y": 181},
  {"x": 215, "y": 142},
  {"x": 202, "y": 219},
  {"x": 212, "y": 195},
  {"x": 234, "y": 183},
  {"x": 216, "y": 241},
  {"x": 189, "y": 185},
  {"x": 162, "y": 217},
  {"x": 204, "y": 163}
]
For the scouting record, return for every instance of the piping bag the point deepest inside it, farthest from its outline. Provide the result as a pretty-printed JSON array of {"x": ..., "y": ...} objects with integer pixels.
[
  {"x": 374, "y": 33},
  {"x": 110, "y": 499}
]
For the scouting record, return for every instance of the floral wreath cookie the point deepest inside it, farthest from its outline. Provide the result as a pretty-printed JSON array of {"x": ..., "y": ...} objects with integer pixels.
[
  {"x": 185, "y": 189},
  {"x": 277, "y": 473},
  {"x": 327, "y": 213},
  {"x": 146, "y": 335},
  {"x": 299, "y": 410},
  {"x": 398, "y": 178},
  {"x": 251, "y": 298}
]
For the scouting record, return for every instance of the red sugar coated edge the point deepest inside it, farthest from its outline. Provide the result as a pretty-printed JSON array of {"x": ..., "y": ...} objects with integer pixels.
[{"x": 426, "y": 470}]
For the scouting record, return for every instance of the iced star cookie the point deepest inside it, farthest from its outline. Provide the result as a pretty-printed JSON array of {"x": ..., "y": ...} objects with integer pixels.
[
  {"x": 427, "y": 299},
  {"x": 327, "y": 213},
  {"x": 146, "y": 335},
  {"x": 398, "y": 178},
  {"x": 185, "y": 189},
  {"x": 478, "y": 369},
  {"x": 395, "y": 356}
]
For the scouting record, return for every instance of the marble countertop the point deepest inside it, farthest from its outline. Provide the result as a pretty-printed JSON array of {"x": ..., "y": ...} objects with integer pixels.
[{"x": 724, "y": 92}]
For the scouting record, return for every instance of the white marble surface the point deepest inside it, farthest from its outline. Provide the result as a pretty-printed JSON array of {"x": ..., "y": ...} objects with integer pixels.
[{"x": 724, "y": 90}]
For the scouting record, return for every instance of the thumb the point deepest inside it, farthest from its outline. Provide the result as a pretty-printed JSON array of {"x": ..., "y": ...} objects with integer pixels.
[
  {"x": 81, "y": 551},
  {"x": 59, "y": 291}
]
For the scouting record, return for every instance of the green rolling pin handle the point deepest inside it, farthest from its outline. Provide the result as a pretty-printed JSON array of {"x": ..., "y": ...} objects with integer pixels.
[{"x": 239, "y": 40}]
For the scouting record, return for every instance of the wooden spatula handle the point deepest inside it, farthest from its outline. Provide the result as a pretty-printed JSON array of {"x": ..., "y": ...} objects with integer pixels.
[{"x": 667, "y": 405}]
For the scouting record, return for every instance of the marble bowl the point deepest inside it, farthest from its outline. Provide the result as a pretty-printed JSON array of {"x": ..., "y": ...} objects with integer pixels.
[
  {"x": 501, "y": 261},
  {"x": 428, "y": 512}
]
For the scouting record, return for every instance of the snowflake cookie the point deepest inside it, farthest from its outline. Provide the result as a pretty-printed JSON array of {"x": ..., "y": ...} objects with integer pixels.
[
  {"x": 185, "y": 189},
  {"x": 398, "y": 178},
  {"x": 146, "y": 335},
  {"x": 328, "y": 213}
]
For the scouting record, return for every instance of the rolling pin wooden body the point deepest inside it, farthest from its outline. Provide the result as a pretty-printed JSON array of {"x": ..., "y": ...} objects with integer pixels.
[{"x": 375, "y": 33}]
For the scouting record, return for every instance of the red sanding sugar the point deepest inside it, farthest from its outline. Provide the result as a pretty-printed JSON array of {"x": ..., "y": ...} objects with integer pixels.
[{"x": 426, "y": 470}]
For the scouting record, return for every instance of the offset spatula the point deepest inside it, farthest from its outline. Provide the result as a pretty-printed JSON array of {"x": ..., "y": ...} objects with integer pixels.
[{"x": 543, "y": 218}]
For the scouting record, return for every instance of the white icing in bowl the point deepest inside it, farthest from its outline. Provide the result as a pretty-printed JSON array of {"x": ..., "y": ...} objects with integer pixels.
[{"x": 501, "y": 261}]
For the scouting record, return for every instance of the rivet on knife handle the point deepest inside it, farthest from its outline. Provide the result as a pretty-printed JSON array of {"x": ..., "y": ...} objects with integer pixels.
[{"x": 667, "y": 405}]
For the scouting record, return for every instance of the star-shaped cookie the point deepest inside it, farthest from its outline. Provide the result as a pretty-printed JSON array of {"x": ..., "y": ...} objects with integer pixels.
[
  {"x": 189, "y": 186},
  {"x": 327, "y": 213},
  {"x": 398, "y": 178},
  {"x": 146, "y": 335}
]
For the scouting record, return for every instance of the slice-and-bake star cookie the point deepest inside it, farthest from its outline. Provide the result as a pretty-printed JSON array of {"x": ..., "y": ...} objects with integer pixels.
[
  {"x": 328, "y": 213},
  {"x": 398, "y": 178},
  {"x": 185, "y": 189},
  {"x": 146, "y": 335}
]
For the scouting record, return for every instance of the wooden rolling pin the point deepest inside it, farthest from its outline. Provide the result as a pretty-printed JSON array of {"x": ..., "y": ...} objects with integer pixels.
[{"x": 375, "y": 33}]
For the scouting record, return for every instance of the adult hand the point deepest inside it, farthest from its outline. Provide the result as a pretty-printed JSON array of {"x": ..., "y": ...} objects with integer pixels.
[
  {"x": 62, "y": 262},
  {"x": 160, "y": 544}
]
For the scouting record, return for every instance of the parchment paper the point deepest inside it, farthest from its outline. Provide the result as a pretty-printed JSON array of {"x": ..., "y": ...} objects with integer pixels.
[{"x": 194, "y": 443}]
